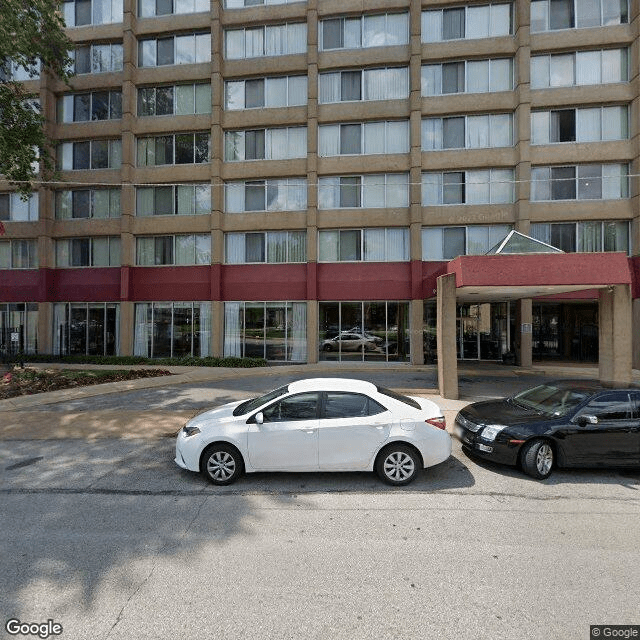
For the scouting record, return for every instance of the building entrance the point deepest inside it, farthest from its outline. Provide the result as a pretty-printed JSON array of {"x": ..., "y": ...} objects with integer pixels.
[{"x": 483, "y": 331}]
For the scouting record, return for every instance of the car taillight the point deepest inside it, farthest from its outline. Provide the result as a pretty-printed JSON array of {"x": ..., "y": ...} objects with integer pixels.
[{"x": 438, "y": 422}]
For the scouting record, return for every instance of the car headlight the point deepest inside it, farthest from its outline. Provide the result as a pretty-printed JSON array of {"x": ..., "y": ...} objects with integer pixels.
[
  {"x": 190, "y": 431},
  {"x": 490, "y": 431}
]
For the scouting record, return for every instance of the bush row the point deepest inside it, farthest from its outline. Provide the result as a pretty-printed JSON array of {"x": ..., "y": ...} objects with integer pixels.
[{"x": 186, "y": 361}]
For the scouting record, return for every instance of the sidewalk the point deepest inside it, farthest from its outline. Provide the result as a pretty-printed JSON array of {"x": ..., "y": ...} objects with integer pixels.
[{"x": 19, "y": 419}]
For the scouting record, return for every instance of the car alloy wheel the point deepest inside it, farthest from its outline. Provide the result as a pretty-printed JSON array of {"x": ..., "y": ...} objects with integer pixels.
[
  {"x": 221, "y": 464},
  {"x": 537, "y": 459},
  {"x": 397, "y": 465}
]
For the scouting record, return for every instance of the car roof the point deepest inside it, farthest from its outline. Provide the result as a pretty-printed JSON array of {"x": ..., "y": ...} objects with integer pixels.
[{"x": 332, "y": 384}]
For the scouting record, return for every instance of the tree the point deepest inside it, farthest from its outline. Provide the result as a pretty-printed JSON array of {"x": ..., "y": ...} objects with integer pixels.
[{"x": 32, "y": 37}]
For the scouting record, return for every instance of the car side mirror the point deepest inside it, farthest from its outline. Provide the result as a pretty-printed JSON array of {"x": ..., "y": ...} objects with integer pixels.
[
  {"x": 586, "y": 419},
  {"x": 259, "y": 417}
]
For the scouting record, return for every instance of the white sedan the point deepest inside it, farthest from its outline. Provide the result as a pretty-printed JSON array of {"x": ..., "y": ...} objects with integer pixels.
[{"x": 331, "y": 424}]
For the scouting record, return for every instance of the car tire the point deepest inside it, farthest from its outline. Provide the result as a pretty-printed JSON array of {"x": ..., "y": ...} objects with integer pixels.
[
  {"x": 537, "y": 459},
  {"x": 327, "y": 347},
  {"x": 221, "y": 464},
  {"x": 397, "y": 464}
]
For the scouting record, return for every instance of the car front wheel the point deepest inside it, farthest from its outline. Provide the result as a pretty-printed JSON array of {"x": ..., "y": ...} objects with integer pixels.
[
  {"x": 537, "y": 459},
  {"x": 221, "y": 464},
  {"x": 397, "y": 464}
]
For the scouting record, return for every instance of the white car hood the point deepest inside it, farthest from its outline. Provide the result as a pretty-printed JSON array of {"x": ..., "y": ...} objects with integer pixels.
[{"x": 220, "y": 414}]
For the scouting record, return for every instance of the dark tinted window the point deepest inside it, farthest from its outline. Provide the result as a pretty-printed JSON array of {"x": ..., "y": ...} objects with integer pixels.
[
  {"x": 610, "y": 406},
  {"x": 303, "y": 406},
  {"x": 350, "y": 405},
  {"x": 398, "y": 396},
  {"x": 254, "y": 403}
]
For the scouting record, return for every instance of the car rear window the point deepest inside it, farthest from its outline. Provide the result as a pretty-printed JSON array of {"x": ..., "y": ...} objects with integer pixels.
[{"x": 399, "y": 397}]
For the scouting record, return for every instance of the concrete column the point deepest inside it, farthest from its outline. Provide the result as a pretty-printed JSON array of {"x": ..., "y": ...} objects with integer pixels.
[
  {"x": 615, "y": 335},
  {"x": 127, "y": 327},
  {"x": 45, "y": 327},
  {"x": 635, "y": 325},
  {"x": 312, "y": 331},
  {"x": 524, "y": 341},
  {"x": 446, "y": 328},
  {"x": 416, "y": 331}
]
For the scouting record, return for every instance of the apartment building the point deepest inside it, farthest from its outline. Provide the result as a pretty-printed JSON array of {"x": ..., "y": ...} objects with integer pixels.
[{"x": 288, "y": 179}]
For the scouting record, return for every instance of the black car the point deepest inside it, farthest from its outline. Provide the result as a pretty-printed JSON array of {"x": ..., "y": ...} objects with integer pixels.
[{"x": 564, "y": 424}]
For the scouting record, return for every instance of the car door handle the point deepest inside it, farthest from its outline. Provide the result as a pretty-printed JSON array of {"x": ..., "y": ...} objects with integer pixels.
[{"x": 307, "y": 430}]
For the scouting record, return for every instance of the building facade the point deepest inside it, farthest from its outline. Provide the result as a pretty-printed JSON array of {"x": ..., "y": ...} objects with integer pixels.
[{"x": 288, "y": 179}]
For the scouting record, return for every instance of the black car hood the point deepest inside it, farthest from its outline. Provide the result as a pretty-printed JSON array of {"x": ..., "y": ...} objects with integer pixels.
[{"x": 501, "y": 412}]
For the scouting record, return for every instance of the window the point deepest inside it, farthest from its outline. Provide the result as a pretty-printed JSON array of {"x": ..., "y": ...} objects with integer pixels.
[
  {"x": 274, "y": 194},
  {"x": 550, "y": 15},
  {"x": 187, "y": 49},
  {"x": 181, "y": 148},
  {"x": 85, "y": 107},
  {"x": 363, "y": 138},
  {"x": 581, "y": 182},
  {"x": 382, "y": 30},
  {"x": 10, "y": 70},
  {"x": 172, "y": 329},
  {"x": 285, "y": 91},
  {"x": 482, "y": 21},
  {"x": 297, "y": 408},
  {"x": 369, "y": 245},
  {"x": 13, "y": 208},
  {"x": 88, "y": 252},
  {"x": 87, "y": 203},
  {"x": 86, "y": 329},
  {"x": 90, "y": 154},
  {"x": 18, "y": 254},
  {"x": 239, "y": 4},
  {"x": 178, "y": 249},
  {"x": 580, "y": 68},
  {"x": 479, "y": 186},
  {"x": 467, "y": 76},
  {"x": 21, "y": 320},
  {"x": 368, "y": 84},
  {"x": 446, "y": 243},
  {"x": 270, "y": 40},
  {"x": 182, "y": 199},
  {"x": 266, "y": 247},
  {"x": 340, "y": 404},
  {"x": 97, "y": 58},
  {"x": 368, "y": 191},
  {"x": 82, "y": 12},
  {"x": 265, "y": 144},
  {"x": 580, "y": 125},
  {"x": 179, "y": 100},
  {"x": 271, "y": 330},
  {"x": 615, "y": 405},
  {"x": 150, "y": 8},
  {"x": 467, "y": 132},
  {"x": 590, "y": 236}
]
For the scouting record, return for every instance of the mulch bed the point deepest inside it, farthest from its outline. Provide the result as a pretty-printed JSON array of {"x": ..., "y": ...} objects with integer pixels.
[{"x": 27, "y": 381}]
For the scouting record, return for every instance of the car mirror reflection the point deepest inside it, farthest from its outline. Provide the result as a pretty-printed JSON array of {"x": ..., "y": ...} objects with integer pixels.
[{"x": 585, "y": 419}]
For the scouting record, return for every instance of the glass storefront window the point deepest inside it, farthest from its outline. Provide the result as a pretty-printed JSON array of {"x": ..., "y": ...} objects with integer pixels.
[
  {"x": 275, "y": 331},
  {"x": 18, "y": 328},
  {"x": 86, "y": 329},
  {"x": 364, "y": 331}
]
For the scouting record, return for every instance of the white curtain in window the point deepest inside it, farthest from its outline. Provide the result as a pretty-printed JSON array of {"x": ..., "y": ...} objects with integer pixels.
[
  {"x": 432, "y": 244},
  {"x": 397, "y": 245},
  {"x": 234, "y": 95},
  {"x": 297, "y": 246},
  {"x": 62, "y": 253},
  {"x": 296, "y": 194},
  {"x": 616, "y": 236},
  {"x": 141, "y": 339},
  {"x": 100, "y": 252},
  {"x": 276, "y": 145},
  {"x": 373, "y": 191},
  {"x": 234, "y": 248},
  {"x": 275, "y": 92},
  {"x": 205, "y": 329},
  {"x": 144, "y": 201},
  {"x": 374, "y": 249},
  {"x": 185, "y": 249},
  {"x": 588, "y": 125},
  {"x": 115, "y": 154},
  {"x": 397, "y": 191},
  {"x": 477, "y": 132},
  {"x": 431, "y": 26},
  {"x": 234, "y": 44},
  {"x": 431, "y": 189},
  {"x": 60, "y": 329},
  {"x": 561, "y": 70},
  {"x": 185, "y": 100},
  {"x": 203, "y": 248},
  {"x": 297, "y": 38},
  {"x": 234, "y": 197},
  {"x": 276, "y": 246},
  {"x": 500, "y": 21},
  {"x": 477, "y": 240},
  {"x": 328, "y": 246},
  {"x": 297, "y": 90},
  {"x": 502, "y": 186},
  {"x": 232, "y": 329},
  {"x": 100, "y": 203},
  {"x": 185, "y": 200},
  {"x": 541, "y": 231},
  {"x": 614, "y": 123},
  {"x": 254, "y": 42},
  {"x": 145, "y": 251},
  {"x": 539, "y": 72},
  {"x": 329, "y": 140},
  {"x": 397, "y": 136},
  {"x": 614, "y": 65},
  {"x": 588, "y": 67},
  {"x": 477, "y": 23},
  {"x": 386, "y": 84},
  {"x": 614, "y": 181},
  {"x": 541, "y": 127},
  {"x": 329, "y": 87},
  {"x": 478, "y": 76},
  {"x": 589, "y": 236},
  {"x": 501, "y": 130},
  {"x": 374, "y": 138},
  {"x": 477, "y": 187},
  {"x": 299, "y": 332},
  {"x": 431, "y": 134},
  {"x": 63, "y": 205},
  {"x": 374, "y": 31},
  {"x": 500, "y": 75},
  {"x": 397, "y": 29},
  {"x": 114, "y": 251},
  {"x": 329, "y": 193},
  {"x": 297, "y": 142},
  {"x": 276, "y": 40},
  {"x": 431, "y": 80}
]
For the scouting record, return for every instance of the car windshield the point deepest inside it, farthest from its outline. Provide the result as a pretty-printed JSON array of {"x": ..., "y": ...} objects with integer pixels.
[
  {"x": 398, "y": 396},
  {"x": 251, "y": 405},
  {"x": 550, "y": 400}
]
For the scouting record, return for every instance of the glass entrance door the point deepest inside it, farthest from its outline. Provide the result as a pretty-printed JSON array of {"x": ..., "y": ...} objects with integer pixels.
[{"x": 483, "y": 331}]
